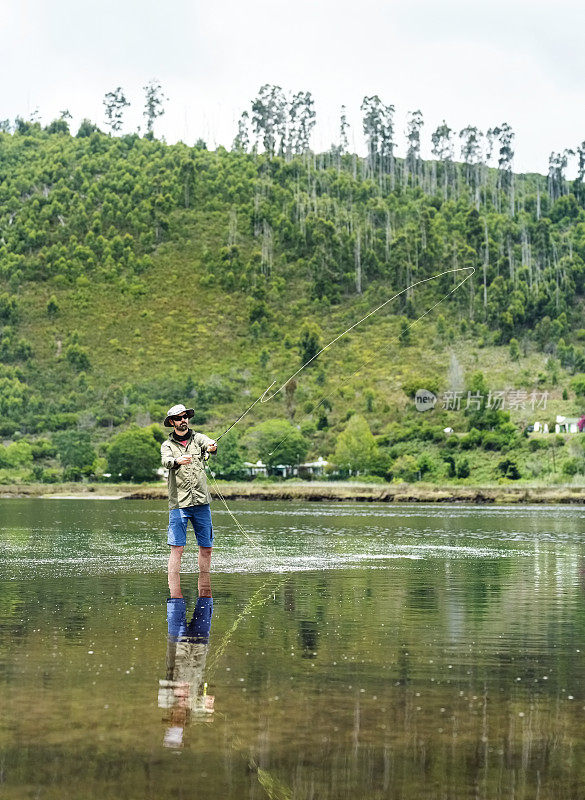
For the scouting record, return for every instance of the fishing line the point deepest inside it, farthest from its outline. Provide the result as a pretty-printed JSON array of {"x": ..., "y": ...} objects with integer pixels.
[
  {"x": 369, "y": 361},
  {"x": 239, "y": 418},
  {"x": 273, "y": 787},
  {"x": 239, "y": 527},
  {"x": 256, "y": 601},
  {"x": 263, "y": 399}
]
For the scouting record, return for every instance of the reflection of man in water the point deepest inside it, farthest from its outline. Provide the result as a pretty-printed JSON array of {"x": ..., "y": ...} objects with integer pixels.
[{"x": 183, "y": 692}]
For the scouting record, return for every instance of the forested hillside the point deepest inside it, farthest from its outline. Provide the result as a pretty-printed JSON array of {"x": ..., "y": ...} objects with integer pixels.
[{"x": 135, "y": 274}]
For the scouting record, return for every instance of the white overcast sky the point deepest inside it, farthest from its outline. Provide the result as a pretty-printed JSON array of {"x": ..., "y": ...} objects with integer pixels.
[{"x": 467, "y": 61}]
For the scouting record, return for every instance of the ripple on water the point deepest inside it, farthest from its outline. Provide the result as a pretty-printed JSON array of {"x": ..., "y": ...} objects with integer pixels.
[
  {"x": 67, "y": 538},
  {"x": 241, "y": 560}
]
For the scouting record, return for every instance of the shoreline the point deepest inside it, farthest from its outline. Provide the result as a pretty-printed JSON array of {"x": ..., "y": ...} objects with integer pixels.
[{"x": 314, "y": 491}]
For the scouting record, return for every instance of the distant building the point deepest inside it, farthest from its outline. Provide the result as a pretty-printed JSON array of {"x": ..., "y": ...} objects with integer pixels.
[
  {"x": 285, "y": 470},
  {"x": 256, "y": 469},
  {"x": 313, "y": 467},
  {"x": 306, "y": 470},
  {"x": 566, "y": 424}
]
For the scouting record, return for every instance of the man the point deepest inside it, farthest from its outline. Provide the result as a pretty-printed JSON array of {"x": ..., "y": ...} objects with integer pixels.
[{"x": 183, "y": 454}]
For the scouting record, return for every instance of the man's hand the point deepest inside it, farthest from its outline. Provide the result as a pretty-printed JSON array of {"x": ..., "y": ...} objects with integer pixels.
[
  {"x": 211, "y": 448},
  {"x": 183, "y": 460}
]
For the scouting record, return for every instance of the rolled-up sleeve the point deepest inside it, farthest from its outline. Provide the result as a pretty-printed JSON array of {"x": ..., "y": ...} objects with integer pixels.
[{"x": 166, "y": 455}]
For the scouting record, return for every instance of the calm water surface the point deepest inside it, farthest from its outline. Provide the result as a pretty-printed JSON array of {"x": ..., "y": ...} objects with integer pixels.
[{"x": 353, "y": 651}]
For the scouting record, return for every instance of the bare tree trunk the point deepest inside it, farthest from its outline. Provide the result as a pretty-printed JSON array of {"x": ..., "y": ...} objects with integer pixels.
[
  {"x": 511, "y": 261},
  {"x": 358, "y": 264},
  {"x": 267, "y": 249},
  {"x": 388, "y": 238},
  {"x": 526, "y": 254},
  {"x": 486, "y": 261},
  {"x": 233, "y": 230}
]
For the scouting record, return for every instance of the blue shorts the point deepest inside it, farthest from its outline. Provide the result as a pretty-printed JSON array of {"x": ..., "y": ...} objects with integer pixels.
[
  {"x": 200, "y": 517},
  {"x": 200, "y": 625}
]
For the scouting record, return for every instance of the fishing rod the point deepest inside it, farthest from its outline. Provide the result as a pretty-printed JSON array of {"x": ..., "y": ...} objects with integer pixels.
[{"x": 233, "y": 425}]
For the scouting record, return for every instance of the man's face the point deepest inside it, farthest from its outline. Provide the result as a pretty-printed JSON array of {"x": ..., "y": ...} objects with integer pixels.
[{"x": 180, "y": 422}]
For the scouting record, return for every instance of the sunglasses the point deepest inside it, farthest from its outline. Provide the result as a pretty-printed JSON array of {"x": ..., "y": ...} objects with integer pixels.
[{"x": 183, "y": 416}]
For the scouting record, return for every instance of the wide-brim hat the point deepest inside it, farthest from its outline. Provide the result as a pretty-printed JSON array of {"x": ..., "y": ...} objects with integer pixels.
[{"x": 175, "y": 411}]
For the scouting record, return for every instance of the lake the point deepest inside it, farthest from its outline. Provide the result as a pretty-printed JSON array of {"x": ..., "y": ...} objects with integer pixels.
[{"x": 352, "y": 651}]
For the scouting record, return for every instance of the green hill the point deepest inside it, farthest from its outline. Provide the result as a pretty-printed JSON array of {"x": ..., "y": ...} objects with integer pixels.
[{"x": 135, "y": 274}]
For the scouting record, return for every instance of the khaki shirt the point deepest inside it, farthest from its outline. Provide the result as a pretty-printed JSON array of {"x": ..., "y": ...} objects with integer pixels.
[{"x": 187, "y": 483}]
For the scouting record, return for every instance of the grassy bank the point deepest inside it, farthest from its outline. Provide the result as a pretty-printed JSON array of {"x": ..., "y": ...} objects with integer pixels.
[{"x": 316, "y": 491}]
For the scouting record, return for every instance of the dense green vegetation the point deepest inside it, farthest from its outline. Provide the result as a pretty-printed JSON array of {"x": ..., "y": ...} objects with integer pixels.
[{"x": 136, "y": 274}]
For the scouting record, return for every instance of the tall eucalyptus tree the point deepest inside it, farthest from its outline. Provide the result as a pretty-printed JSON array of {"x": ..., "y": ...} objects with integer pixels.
[
  {"x": 471, "y": 152},
  {"x": 378, "y": 127},
  {"x": 153, "y": 104},
  {"x": 269, "y": 117},
  {"x": 242, "y": 139},
  {"x": 557, "y": 164},
  {"x": 302, "y": 118},
  {"x": 502, "y": 137},
  {"x": 115, "y": 102},
  {"x": 343, "y": 132},
  {"x": 442, "y": 149},
  {"x": 413, "y": 128},
  {"x": 579, "y": 184}
]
